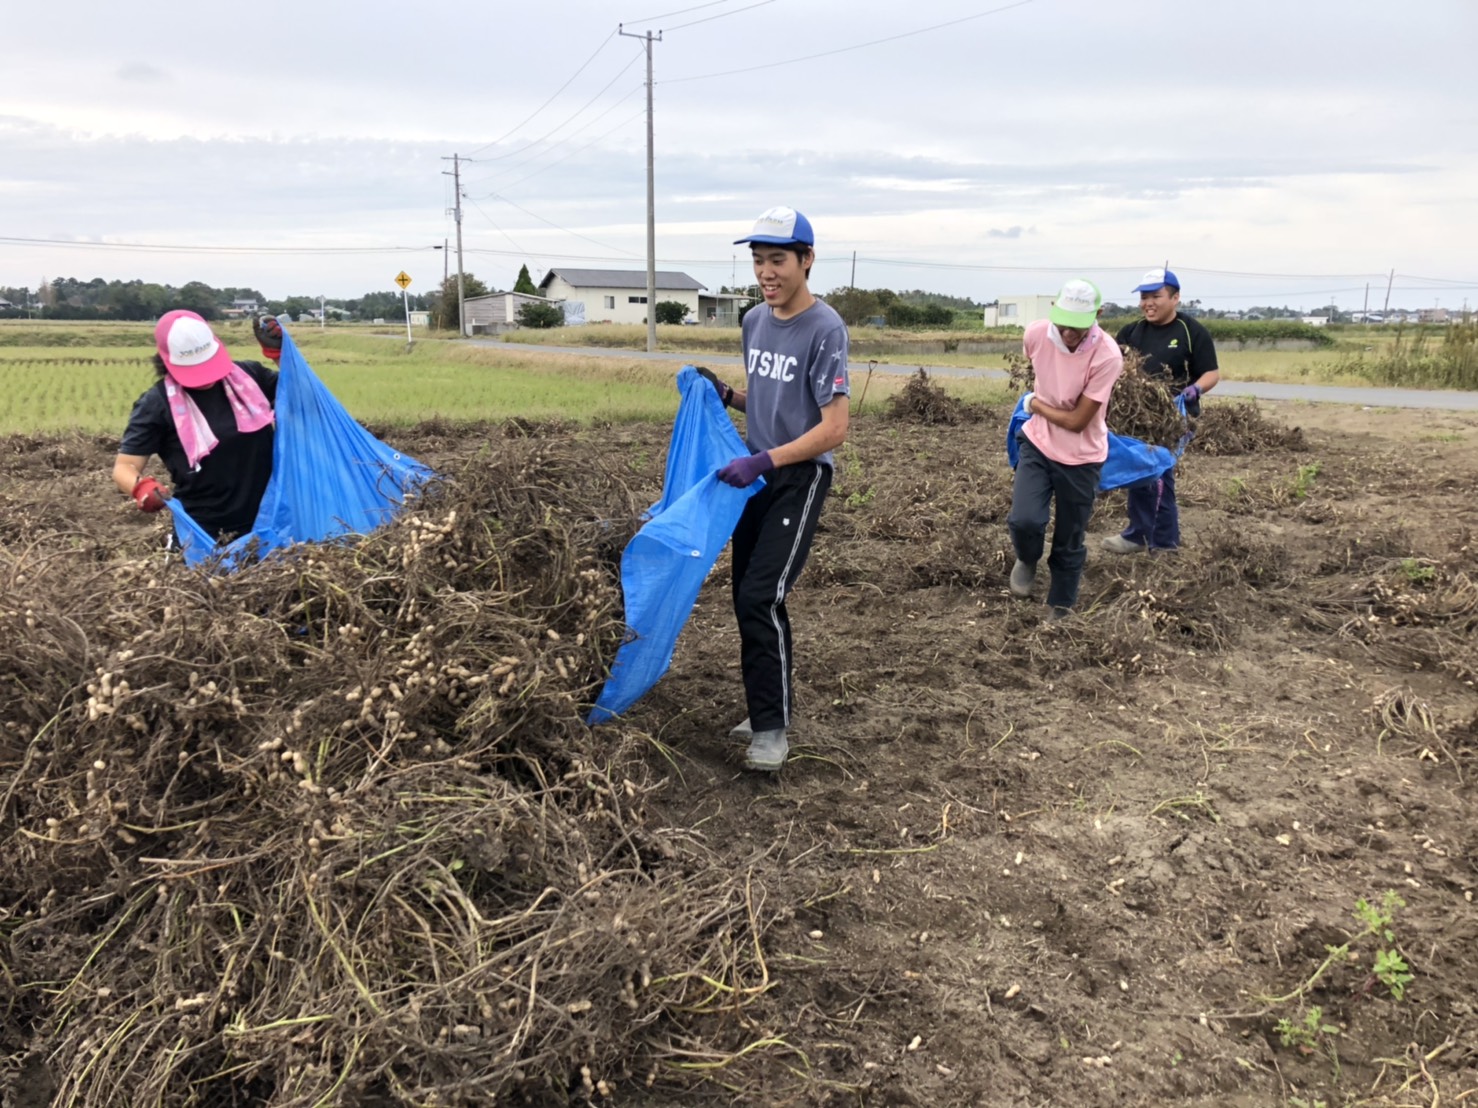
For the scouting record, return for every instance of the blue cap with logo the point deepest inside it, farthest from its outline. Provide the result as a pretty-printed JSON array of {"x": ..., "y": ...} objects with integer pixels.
[
  {"x": 1156, "y": 279},
  {"x": 781, "y": 227}
]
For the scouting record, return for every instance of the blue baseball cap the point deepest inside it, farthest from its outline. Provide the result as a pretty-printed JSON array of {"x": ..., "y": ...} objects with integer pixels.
[
  {"x": 1156, "y": 279},
  {"x": 781, "y": 227}
]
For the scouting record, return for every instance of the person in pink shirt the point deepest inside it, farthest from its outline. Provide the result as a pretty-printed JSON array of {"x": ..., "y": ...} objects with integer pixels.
[{"x": 1062, "y": 446}]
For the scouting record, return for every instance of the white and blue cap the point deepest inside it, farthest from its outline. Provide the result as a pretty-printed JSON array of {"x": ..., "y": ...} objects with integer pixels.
[
  {"x": 781, "y": 227},
  {"x": 1156, "y": 279}
]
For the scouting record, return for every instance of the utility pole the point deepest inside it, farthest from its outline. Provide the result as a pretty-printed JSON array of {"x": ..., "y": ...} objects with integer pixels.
[
  {"x": 1389, "y": 279},
  {"x": 1365, "y": 311},
  {"x": 853, "y": 283},
  {"x": 651, "y": 198},
  {"x": 457, "y": 211}
]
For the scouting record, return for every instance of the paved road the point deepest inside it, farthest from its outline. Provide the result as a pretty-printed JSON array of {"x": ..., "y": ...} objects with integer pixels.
[{"x": 1440, "y": 399}]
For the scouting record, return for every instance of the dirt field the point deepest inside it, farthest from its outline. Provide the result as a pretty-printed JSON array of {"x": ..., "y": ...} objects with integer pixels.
[{"x": 1010, "y": 863}]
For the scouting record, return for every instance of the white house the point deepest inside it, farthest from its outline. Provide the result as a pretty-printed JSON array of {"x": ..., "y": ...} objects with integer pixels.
[
  {"x": 618, "y": 295},
  {"x": 1017, "y": 311},
  {"x": 496, "y": 312},
  {"x": 1316, "y": 320}
]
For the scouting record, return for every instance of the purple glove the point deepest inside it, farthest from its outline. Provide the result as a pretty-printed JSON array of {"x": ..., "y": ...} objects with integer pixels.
[
  {"x": 741, "y": 472},
  {"x": 1190, "y": 393}
]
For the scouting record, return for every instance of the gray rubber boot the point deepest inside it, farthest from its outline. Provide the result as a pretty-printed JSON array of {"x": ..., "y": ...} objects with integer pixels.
[
  {"x": 767, "y": 750},
  {"x": 1022, "y": 578},
  {"x": 1120, "y": 545}
]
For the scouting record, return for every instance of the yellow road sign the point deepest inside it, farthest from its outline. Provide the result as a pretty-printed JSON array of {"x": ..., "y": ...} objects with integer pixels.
[{"x": 403, "y": 279}]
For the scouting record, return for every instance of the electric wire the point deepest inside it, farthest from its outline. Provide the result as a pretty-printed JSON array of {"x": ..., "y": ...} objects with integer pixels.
[
  {"x": 847, "y": 49},
  {"x": 681, "y": 11},
  {"x": 635, "y": 58},
  {"x": 512, "y": 166},
  {"x": 551, "y": 99},
  {"x": 721, "y": 15}
]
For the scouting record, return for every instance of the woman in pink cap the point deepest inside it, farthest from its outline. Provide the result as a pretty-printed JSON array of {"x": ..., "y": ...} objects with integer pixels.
[{"x": 210, "y": 421}]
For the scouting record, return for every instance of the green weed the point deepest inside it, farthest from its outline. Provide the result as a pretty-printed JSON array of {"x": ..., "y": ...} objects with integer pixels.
[
  {"x": 1303, "y": 481},
  {"x": 1306, "y": 1028},
  {"x": 1417, "y": 359},
  {"x": 1417, "y": 571}
]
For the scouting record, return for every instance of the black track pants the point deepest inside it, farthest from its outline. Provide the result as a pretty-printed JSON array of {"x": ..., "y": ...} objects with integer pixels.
[{"x": 771, "y": 543}]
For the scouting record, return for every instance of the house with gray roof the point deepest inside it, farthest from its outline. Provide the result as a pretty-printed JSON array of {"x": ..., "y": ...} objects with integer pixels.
[{"x": 618, "y": 295}]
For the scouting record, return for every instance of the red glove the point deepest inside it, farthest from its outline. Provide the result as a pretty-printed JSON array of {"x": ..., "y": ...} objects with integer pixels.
[
  {"x": 269, "y": 335},
  {"x": 150, "y": 494}
]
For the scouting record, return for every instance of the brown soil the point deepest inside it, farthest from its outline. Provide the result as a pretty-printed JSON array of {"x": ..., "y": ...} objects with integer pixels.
[{"x": 1009, "y": 863}]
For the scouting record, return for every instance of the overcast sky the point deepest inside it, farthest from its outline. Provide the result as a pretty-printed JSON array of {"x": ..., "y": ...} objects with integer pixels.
[{"x": 1274, "y": 151}]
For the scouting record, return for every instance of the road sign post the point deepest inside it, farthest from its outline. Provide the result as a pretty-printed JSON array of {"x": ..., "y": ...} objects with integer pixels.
[{"x": 403, "y": 279}]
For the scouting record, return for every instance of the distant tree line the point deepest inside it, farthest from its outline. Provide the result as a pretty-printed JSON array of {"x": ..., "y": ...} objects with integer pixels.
[{"x": 71, "y": 298}]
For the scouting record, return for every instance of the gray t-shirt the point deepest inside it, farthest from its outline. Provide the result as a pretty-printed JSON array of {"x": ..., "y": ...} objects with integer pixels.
[{"x": 793, "y": 368}]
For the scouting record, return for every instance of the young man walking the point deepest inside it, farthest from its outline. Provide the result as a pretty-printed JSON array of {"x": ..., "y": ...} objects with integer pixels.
[
  {"x": 1062, "y": 446},
  {"x": 1179, "y": 348},
  {"x": 795, "y": 400}
]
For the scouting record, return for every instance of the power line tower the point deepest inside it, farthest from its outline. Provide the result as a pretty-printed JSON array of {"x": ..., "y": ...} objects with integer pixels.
[
  {"x": 651, "y": 197},
  {"x": 457, "y": 210}
]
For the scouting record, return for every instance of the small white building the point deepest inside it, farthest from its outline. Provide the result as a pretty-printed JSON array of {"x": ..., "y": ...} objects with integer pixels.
[
  {"x": 1017, "y": 311},
  {"x": 1316, "y": 320},
  {"x": 618, "y": 295},
  {"x": 496, "y": 312}
]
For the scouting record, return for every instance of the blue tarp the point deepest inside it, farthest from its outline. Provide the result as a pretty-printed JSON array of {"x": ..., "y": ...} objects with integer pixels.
[
  {"x": 330, "y": 477},
  {"x": 1129, "y": 462},
  {"x": 666, "y": 562}
]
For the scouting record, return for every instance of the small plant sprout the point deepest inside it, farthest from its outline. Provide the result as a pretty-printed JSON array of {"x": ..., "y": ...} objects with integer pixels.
[
  {"x": 1392, "y": 971},
  {"x": 1417, "y": 572},
  {"x": 1306, "y": 1029},
  {"x": 1305, "y": 1034},
  {"x": 1303, "y": 482}
]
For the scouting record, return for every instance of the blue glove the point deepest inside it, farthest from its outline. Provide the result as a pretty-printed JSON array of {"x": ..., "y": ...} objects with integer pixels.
[
  {"x": 1190, "y": 393},
  {"x": 741, "y": 472}
]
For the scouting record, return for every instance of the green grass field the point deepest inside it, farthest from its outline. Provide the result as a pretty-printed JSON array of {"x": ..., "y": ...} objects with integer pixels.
[
  {"x": 81, "y": 378},
  {"x": 86, "y": 376}
]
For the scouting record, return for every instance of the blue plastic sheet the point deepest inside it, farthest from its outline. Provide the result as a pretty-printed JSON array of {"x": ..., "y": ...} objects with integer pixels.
[
  {"x": 330, "y": 477},
  {"x": 666, "y": 562},
  {"x": 1129, "y": 462}
]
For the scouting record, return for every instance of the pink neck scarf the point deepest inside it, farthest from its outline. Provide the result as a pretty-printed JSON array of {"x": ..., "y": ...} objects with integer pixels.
[{"x": 248, "y": 402}]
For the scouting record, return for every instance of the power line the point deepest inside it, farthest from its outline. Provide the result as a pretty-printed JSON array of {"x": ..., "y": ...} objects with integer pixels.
[
  {"x": 177, "y": 248},
  {"x": 505, "y": 234},
  {"x": 552, "y": 98},
  {"x": 556, "y": 226},
  {"x": 846, "y": 49},
  {"x": 568, "y": 138},
  {"x": 570, "y": 119},
  {"x": 1455, "y": 283},
  {"x": 721, "y": 15},
  {"x": 581, "y": 149},
  {"x": 682, "y": 11}
]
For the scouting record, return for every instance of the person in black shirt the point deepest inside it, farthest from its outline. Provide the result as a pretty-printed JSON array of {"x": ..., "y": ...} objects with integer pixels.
[
  {"x": 1179, "y": 348},
  {"x": 210, "y": 421}
]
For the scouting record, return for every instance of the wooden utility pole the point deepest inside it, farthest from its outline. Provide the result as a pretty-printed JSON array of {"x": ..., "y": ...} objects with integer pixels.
[
  {"x": 1387, "y": 307},
  {"x": 457, "y": 211},
  {"x": 651, "y": 197}
]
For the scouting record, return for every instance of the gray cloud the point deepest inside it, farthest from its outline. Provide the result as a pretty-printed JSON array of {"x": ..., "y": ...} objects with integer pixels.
[{"x": 141, "y": 73}]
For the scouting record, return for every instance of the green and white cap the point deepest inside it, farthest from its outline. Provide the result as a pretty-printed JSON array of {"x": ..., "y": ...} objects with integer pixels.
[{"x": 1076, "y": 305}]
